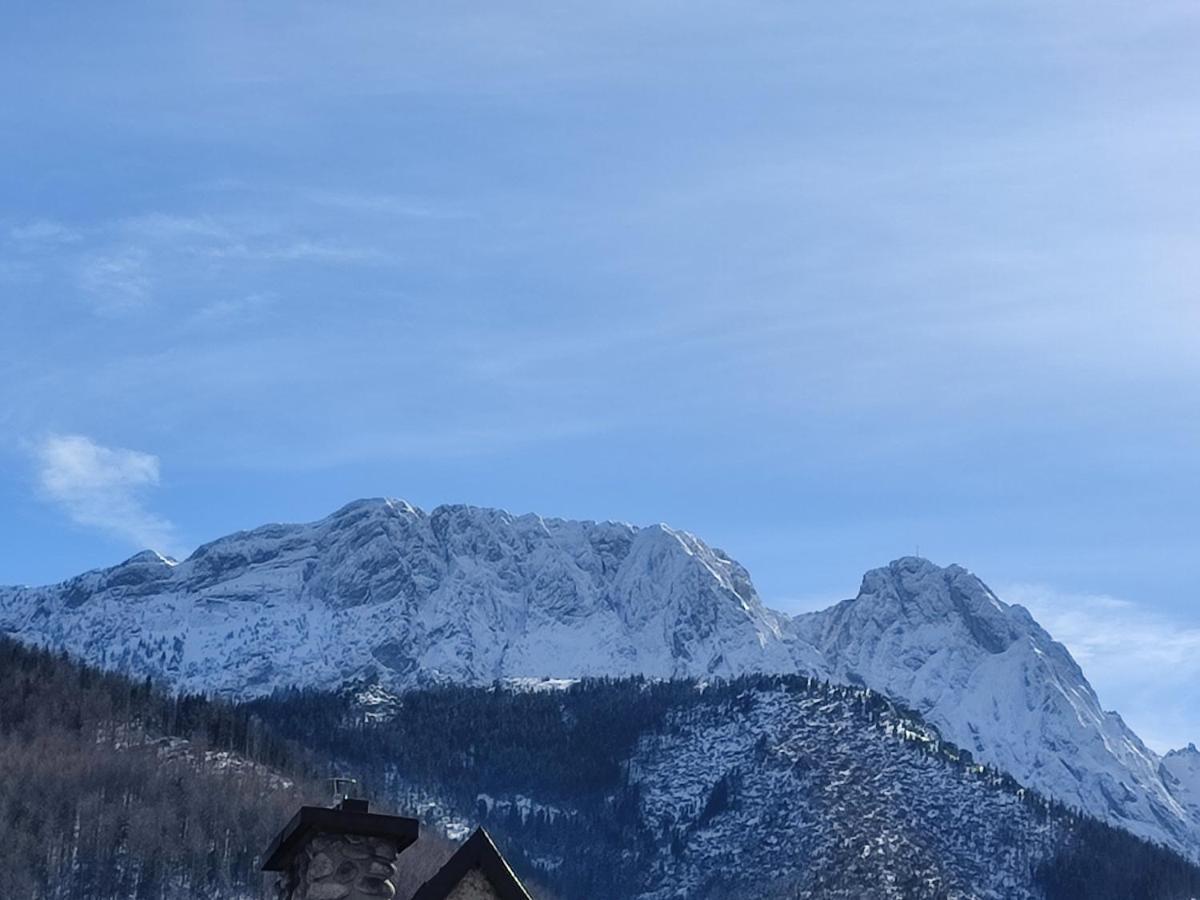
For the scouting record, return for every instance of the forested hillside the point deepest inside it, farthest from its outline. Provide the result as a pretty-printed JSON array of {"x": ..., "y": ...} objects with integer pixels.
[
  {"x": 763, "y": 786},
  {"x": 113, "y": 790}
]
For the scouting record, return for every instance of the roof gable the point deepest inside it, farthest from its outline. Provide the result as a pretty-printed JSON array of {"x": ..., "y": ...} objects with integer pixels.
[{"x": 477, "y": 853}]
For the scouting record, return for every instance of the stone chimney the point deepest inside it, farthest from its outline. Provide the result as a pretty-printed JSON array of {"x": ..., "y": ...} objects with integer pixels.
[{"x": 343, "y": 853}]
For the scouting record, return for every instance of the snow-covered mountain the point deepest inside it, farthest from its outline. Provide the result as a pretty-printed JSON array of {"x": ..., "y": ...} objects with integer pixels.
[
  {"x": 382, "y": 589},
  {"x": 994, "y": 682},
  {"x": 1181, "y": 771}
]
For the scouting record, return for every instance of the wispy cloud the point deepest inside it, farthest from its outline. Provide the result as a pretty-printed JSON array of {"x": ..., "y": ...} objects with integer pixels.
[
  {"x": 387, "y": 204},
  {"x": 116, "y": 281},
  {"x": 1118, "y": 633},
  {"x": 301, "y": 250},
  {"x": 42, "y": 232},
  {"x": 260, "y": 238},
  {"x": 127, "y": 264},
  {"x": 1144, "y": 663},
  {"x": 234, "y": 309},
  {"x": 103, "y": 488}
]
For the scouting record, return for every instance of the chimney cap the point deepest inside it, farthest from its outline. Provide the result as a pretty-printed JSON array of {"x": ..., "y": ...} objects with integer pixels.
[
  {"x": 344, "y": 787},
  {"x": 350, "y": 817}
]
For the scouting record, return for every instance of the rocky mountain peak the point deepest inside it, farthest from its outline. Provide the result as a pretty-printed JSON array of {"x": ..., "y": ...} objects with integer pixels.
[
  {"x": 382, "y": 590},
  {"x": 149, "y": 558},
  {"x": 913, "y": 595},
  {"x": 997, "y": 684}
]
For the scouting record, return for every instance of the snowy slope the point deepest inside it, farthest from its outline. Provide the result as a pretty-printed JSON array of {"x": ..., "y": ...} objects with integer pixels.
[
  {"x": 994, "y": 682},
  {"x": 381, "y": 587},
  {"x": 1180, "y": 770}
]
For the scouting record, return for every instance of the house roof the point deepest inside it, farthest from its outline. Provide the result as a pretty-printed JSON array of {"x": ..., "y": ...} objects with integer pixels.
[{"x": 477, "y": 853}]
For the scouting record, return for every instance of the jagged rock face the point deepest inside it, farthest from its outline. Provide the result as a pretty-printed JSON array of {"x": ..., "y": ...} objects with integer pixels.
[
  {"x": 998, "y": 685},
  {"x": 382, "y": 588},
  {"x": 1180, "y": 769}
]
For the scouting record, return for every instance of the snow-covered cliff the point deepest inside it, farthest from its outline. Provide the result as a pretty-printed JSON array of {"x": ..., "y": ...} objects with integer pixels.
[
  {"x": 1180, "y": 770},
  {"x": 382, "y": 589}
]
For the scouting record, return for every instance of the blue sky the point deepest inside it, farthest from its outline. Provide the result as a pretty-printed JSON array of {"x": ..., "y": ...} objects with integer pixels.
[{"x": 822, "y": 283}]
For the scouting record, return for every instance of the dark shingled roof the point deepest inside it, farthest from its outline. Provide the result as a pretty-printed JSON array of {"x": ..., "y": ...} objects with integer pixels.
[{"x": 477, "y": 853}]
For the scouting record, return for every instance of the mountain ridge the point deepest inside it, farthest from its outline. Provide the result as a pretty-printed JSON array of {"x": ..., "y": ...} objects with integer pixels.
[
  {"x": 459, "y": 593},
  {"x": 467, "y": 594}
]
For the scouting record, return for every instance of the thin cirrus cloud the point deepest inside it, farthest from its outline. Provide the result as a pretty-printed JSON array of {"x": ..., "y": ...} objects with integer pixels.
[
  {"x": 103, "y": 488},
  {"x": 41, "y": 232},
  {"x": 234, "y": 309},
  {"x": 116, "y": 281},
  {"x": 127, "y": 264},
  {"x": 1143, "y": 663},
  {"x": 256, "y": 238}
]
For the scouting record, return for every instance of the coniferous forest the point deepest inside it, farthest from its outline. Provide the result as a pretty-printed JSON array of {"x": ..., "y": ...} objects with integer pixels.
[
  {"x": 111, "y": 788},
  {"x": 571, "y": 748}
]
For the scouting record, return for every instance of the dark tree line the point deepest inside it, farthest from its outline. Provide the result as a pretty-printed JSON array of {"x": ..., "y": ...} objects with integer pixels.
[
  {"x": 112, "y": 788},
  {"x": 1099, "y": 862},
  {"x": 570, "y": 748}
]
